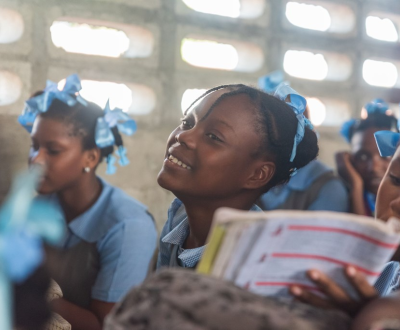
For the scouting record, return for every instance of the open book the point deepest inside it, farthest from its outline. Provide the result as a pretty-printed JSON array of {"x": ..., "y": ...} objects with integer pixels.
[{"x": 266, "y": 252}]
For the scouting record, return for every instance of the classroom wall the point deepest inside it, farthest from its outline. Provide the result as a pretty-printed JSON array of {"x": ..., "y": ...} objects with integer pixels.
[{"x": 34, "y": 59}]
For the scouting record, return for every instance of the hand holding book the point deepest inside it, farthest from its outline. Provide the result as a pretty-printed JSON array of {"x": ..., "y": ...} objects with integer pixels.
[
  {"x": 283, "y": 252},
  {"x": 335, "y": 296}
]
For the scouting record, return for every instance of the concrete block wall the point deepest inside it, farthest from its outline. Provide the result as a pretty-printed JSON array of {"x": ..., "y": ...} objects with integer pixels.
[{"x": 34, "y": 59}]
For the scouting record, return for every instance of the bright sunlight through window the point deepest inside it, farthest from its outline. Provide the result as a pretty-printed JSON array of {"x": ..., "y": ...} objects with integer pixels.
[
  {"x": 99, "y": 92},
  {"x": 134, "y": 99},
  {"x": 378, "y": 73},
  {"x": 381, "y": 29},
  {"x": 209, "y": 54},
  {"x": 308, "y": 16},
  {"x": 229, "y": 8},
  {"x": 189, "y": 96},
  {"x": 306, "y": 65},
  {"x": 10, "y": 88},
  {"x": 12, "y": 26},
  {"x": 88, "y": 39},
  {"x": 317, "y": 111}
]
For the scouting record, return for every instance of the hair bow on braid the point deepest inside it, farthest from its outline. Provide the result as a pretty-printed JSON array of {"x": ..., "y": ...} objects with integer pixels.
[
  {"x": 41, "y": 103},
  {"x": 376, "y": 106},
  {"x": 270, "y": 82},
  {"x": 387, "y": 142},
  {"x": 24, "y": 223},
  {"x": 346, "y": 129},
  {"x": 298, "y": 104},
  {"x": 111, "y": 123}
]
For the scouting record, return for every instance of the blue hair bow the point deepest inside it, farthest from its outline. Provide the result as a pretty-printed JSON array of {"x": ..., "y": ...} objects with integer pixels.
[
  {"x": 387, "y": 142},
  {"x": 41, "y": 103},
  {"x": 376, "y": 106},
  {"x": 24, "y": 223},
  {"x": 105, "y": 138},
  {"x": 346, "y": 129},
  {"x": 298, "y": 104},
  {"x": 373, "y": 107},
  {"x": 270, "y": 82}
]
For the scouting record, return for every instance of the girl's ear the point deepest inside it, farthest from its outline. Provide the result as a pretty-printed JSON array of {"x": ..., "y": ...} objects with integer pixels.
[
  {"x": 261, "y": 175},
  {"x": 92, "y": 158}
]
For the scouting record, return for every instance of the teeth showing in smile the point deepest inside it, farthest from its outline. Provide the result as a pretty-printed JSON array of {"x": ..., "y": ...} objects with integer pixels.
[{"x": 178, "y": 162}]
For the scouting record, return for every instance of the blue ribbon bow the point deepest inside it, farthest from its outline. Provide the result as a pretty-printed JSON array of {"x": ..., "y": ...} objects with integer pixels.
[
  {"x": 41, "y": 103},
  {"x": 120, "y": 119},
  {"x": 387, "y": 142},
  {"x": 111, "y": 169},
  {"x": 346, "y": 129},
  {"x": 24, "y": 223},
  {"x": 105, "y": 138},
  {"x": 298, "y": 104},
  {"x": 121, "y": 152},
  {"x": 373, "y": 107},
  {"x": 270, "y": 82},
  {"x": 376, "y": 106}
]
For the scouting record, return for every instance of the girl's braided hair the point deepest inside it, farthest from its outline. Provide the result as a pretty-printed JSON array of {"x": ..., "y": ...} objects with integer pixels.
[
  {"x": 83, "y": 119},
  {"x": 277, "y": 123}
]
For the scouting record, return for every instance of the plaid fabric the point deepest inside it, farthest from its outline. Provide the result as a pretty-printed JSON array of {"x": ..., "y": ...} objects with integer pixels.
[
  {"x": 389, "y": 280},
  {"x": 175, "y": 232}
]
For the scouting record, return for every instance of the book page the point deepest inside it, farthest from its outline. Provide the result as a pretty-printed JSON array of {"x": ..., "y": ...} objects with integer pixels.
[{"x": 290, "y": 243}]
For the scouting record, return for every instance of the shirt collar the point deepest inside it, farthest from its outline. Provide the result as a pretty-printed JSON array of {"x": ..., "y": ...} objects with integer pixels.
[
  {"x": 178, "y": 235},
  {"x": 191, "y": 257},
  {"x": 87, "y": 225}
]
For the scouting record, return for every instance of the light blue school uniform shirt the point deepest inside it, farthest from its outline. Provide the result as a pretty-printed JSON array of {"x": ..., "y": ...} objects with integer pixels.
[
  {"x": 125, "y": 237},
  {"x": 389, "y": 280},
  {"x": 333, "y": 195},
  {"x": 175, "y": 232}
]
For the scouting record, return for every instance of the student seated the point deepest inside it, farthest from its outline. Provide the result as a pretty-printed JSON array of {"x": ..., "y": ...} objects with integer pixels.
[
  {"x": 374, "y": 310},
  {"x": 315, "y": 187},
  {"x": 110, "y": 236},
  {"x": 235, "y": 145},
  {"x": 174, "y": 297},
  {"x": 363, "y": 168}
]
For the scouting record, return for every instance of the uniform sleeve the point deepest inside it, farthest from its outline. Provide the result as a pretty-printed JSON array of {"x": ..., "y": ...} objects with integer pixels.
[
  {"x": 125, "y": 254},
  {"x": 333, "y": 196}
]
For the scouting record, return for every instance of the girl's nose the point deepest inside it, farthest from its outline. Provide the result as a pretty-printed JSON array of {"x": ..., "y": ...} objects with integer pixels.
[
  {"x": 36, "y": 157},
  {"x": 187, "y": 138}
]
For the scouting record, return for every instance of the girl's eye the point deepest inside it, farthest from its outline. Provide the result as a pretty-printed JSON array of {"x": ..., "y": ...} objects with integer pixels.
[
  {"x": 186, "y": 124},
  {"x": 395, "y": 180},
  {"x": 214, "y": 137},
  {"x": 34, "y": 147},
  {"x": 362, "y": 157},
  {"x": 53, "y": 152}
]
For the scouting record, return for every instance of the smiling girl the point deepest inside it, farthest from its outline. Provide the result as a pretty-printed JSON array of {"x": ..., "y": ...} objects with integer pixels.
[
  {"x": 230, "y": 148},
  {"x": 110, "y": 236}
]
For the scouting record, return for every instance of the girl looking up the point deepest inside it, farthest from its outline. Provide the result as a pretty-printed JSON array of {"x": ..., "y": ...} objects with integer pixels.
[
  {"x": 208, "y": 303},
  {"x": 111, "y": 237},
  {"x": 363, "y": 168},
  {"x": 234, "y": 143}
]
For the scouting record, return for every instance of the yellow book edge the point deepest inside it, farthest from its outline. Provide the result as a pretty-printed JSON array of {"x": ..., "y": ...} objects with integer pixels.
[{"x": 206, "y": 262}]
